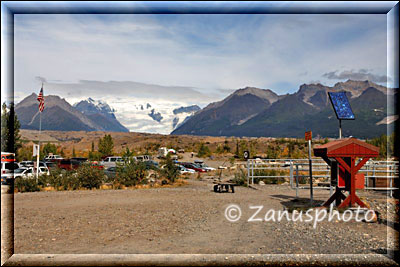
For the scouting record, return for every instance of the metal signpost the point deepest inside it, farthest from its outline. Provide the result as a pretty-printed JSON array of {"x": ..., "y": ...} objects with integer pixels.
[
  {"x": 308, "y": 137},
  {"x": 342, "y": 108},
  {"x": 36, "y": 151}
]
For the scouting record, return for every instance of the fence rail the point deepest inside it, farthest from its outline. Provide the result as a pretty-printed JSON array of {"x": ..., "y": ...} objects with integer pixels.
[{"x": 296, "y": 169}]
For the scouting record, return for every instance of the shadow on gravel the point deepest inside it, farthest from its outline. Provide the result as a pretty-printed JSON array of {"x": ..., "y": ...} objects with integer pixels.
[
  {"x": 292, "y": 203},
  {"x": 394, "y": 225},
  {"x": 391, "y": 254}
]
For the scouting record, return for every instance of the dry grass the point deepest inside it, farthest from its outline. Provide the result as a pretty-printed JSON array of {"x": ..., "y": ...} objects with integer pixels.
[{"x": 177, "y": 183}]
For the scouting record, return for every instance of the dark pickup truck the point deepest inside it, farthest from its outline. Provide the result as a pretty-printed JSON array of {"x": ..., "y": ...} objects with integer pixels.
[{"x": 69, "y": 164}]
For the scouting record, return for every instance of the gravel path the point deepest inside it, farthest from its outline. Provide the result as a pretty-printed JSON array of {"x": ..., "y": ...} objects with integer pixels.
[{"x": 188, "y": 219}]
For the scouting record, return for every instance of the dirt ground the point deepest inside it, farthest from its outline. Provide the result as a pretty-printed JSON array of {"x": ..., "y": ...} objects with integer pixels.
[{"x": 187, "y": 219}]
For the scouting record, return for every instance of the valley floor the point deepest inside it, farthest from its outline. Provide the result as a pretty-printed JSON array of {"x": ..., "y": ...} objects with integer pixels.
[{"x": 188, "y": 219}]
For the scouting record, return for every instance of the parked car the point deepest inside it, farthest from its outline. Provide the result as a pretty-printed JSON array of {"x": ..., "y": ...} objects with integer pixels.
[
  {"x": 7, "y": 167},
  {"x": 30, "y": 172},
  {"x": 7, "y": 157},
  {"x": 151, "y": 164},
  {"x": 162, "y": 152},
  {"x": 96, "y": 165},
  {"x": 51, "y": 165},
  {"x": 42, "y": 164},
  {"x": 111, "y": 161},
  {"x": 69, "y": 164},
  {"x": 26, "y": 163},
  {"x": 111, "y": 172},
  {"x": 204, "y": 166},
  {"x": 53, "y": 158},
  {"x": 80, "y": 159},
  {"x": 143, "y": 158},
  {"x": 192, "y": 166},
  {"x": 184, "y": 170}
]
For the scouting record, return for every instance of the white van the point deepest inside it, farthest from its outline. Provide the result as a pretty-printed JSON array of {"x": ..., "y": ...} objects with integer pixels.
[
  {"x": 8, "y": 167},
  {"x": 53, "y": 158},
  {"x": 111, "y": 162},
  {"x": 143, "y": 158}
]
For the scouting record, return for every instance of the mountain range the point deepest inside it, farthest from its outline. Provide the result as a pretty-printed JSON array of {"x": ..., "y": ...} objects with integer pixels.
[
  {"x": 258, "y": 112},
  {"x": 59, "y": 115},
  {"x": 249, "y": 111}
]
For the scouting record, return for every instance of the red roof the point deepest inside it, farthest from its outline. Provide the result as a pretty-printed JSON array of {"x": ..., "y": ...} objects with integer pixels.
[{"x": 349, "y": 147}]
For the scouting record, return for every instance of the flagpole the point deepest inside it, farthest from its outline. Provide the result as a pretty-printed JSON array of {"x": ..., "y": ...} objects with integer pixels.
[{"x": 38, "y": 152}]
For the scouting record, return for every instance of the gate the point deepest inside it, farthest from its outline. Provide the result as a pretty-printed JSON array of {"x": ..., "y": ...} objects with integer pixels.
[{"x": 379, "y": 175}]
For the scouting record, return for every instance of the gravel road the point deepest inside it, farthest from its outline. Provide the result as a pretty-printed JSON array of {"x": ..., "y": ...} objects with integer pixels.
[{"x": 187, "y": 219}]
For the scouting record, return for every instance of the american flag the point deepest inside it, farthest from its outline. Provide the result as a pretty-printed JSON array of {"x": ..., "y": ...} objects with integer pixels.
[{"x": 40, "y": 98}]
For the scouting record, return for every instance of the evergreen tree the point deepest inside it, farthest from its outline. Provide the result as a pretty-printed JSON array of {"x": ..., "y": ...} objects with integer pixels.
[
  {"x": 127, "y": 154},
  {"x": 47, "y": 149},
  {"x": 10, "y": 137},
  {"x": 204, "y": 151},
  {"x": 106, "y": 145}
]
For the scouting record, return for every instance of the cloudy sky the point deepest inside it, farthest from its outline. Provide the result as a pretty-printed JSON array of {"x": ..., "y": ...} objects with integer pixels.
[
  {"x": 209, "y": 52},
  {"x": 192, "y": 59}
]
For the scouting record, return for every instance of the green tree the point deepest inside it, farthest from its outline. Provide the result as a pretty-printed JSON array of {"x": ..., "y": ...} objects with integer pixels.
[
  {"x": 203, "y": 151},
  {"x": 290, "y": 149},
  {"x": 47, "y": 149},
  {"x": 385, "y": 144},
  {"x": 10, "y": 136},
  {"x": 73, "y": 152},
  {"x": 62, "y": 153},
  {"x": 131, "y": 173},
  {"x": 127, "y": 154},
  {"x": 170, "y": 170},
  {"x": 106, "y": 145},
  {"x": 226, "y": 147},
  {"x": 25, "y": 153}
]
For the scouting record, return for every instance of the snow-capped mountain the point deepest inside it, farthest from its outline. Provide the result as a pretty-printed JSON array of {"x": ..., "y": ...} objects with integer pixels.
[
  {"x": 154, "y": 116},
  {"x": 100, "y": 112},
  {"x": 91, "y": 106},
  {"x": 182, "y": 114},
  {"x": 59, "y": 115}
]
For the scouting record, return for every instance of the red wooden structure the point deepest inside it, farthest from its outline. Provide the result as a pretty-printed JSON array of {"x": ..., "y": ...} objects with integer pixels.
[{"x": 341, "y": 155}]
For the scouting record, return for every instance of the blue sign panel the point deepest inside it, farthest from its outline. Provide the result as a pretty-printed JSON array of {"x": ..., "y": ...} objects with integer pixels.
[{"x": 341, "y": 105}]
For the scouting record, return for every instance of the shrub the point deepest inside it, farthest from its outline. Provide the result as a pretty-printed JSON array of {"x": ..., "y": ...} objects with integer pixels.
[
  {"x": 170, "y": 170},
  {"x": 26, "y": 184},
  {"x": 270, "y": 180},
  {"x": 131, "y": 173},
  {"x": 204, "y": 151},
  {"x": 58, "y": 179},
  {"x": 240, "y": 178},
  {"x": 88, "y": 177}
]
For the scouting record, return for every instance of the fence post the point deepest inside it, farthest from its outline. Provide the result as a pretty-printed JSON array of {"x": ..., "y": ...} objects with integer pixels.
[
  {"x": 373, "y": 173},
  {"x": 252, "y": 172},
  {"x": 248, "y": 171},
  {"x": 297, "y": 180},
  {"x": 390, "y": 182},
  {"x": 291, "y": 173},
  {"x": 367, "y": 176}
]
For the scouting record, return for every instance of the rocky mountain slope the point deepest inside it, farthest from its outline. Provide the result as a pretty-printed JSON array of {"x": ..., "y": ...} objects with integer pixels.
[
  {"x": 259, "y": 112},
  {"x": 59, "y": 115}
]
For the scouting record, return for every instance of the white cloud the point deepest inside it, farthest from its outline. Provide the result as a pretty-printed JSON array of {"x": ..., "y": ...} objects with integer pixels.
[{"x": 209, "y": 54}]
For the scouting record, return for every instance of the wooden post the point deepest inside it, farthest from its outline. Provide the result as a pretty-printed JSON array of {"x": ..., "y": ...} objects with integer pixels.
[
  {"x": 310, "y": 167},
  {"x": 352, "y": 182}
]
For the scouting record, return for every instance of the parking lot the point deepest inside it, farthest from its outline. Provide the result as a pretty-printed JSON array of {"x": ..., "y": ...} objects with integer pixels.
[{"x": 187, "y": 219}]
